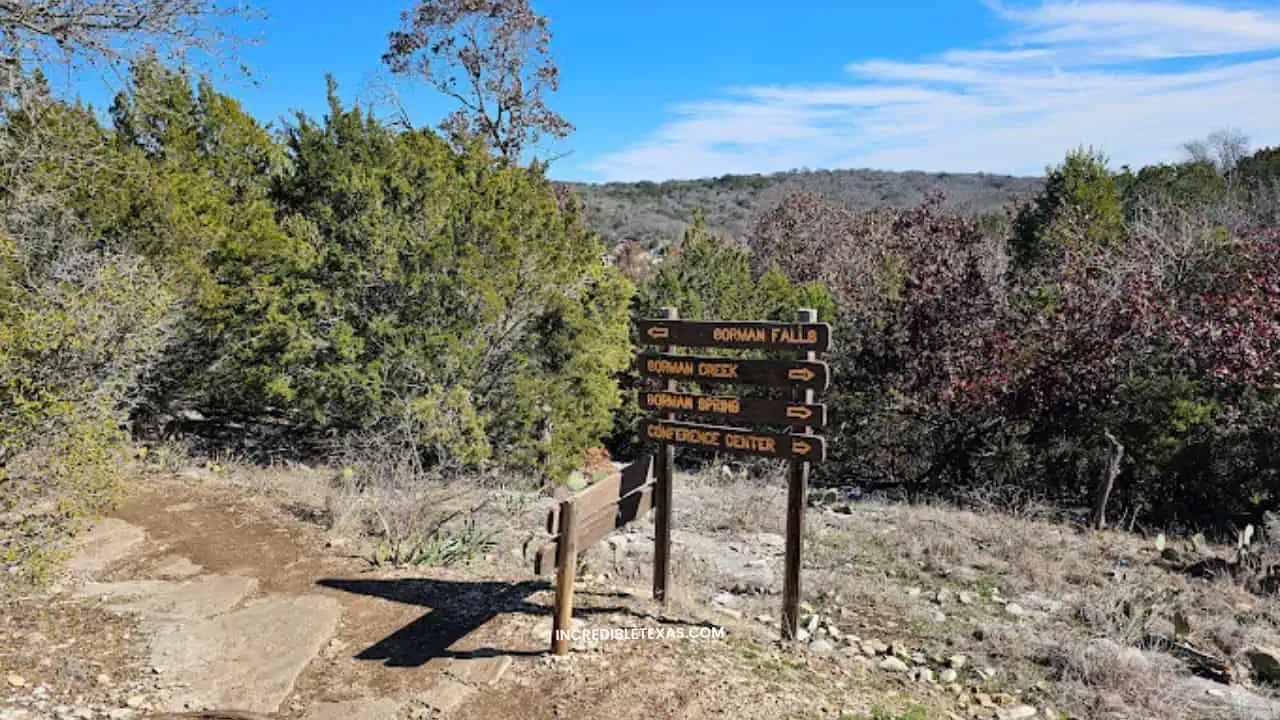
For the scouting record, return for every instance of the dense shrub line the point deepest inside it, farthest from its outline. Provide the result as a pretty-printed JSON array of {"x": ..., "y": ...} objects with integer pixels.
[
  {"x": 998, "y": 359},
  {"x": 350, "y": 280}
]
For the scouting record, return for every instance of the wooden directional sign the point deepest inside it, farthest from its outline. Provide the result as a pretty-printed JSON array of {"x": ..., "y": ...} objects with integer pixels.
[
  {"x": 810, "y": 448},
  {"x": 728, "y": 334},
  {"x": 774, "y": 373},
  {"x": 750, "y": 410}
]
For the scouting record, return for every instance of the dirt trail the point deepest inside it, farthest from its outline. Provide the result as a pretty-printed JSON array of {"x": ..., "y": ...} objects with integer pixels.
[
  {"x": 248, "y": 613},
  {"x": 247, "y": 610}
]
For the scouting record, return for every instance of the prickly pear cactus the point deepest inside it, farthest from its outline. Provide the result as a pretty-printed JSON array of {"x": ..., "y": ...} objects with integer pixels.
[{"x": 576, "y": 481}]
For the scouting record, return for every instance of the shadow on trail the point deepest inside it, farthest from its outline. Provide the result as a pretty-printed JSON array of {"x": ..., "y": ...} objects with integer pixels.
[{"x": 459, "y": 608}]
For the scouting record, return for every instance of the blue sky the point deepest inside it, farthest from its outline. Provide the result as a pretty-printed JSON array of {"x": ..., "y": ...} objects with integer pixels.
[{"x": 663, "y": 89}]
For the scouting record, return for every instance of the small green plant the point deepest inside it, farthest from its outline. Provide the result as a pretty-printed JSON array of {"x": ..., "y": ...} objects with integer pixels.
[
  {"x": 439, "y": 548},
  {"x": 918, "y": 712}
]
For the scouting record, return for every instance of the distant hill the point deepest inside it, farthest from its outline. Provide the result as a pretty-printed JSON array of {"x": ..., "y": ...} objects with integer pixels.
[{"x": 656, "y": 214}]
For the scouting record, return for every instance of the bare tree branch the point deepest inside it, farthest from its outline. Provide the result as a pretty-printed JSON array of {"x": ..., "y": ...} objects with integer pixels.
[
  {"x": 493, "y": 58},
  {"x": 108, "y": 34},
  {"x": 1223, "y": 149}
]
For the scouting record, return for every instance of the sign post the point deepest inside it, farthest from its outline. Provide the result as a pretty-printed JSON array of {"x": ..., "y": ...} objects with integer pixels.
[
  {"x": 566, "y": 572},
  {"x": 666, "y": 478},
  {"x": 797, "y": 498}
]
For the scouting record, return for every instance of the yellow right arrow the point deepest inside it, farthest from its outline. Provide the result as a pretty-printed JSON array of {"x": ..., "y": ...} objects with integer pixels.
[
  {"x": 801, "y": 374},
  {"x": 800, "y": 447},
  {"x": 799, "y": 413}
]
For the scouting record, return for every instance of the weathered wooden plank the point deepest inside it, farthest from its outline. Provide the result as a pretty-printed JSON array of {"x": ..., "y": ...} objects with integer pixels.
[
  {"x": 772, "y": 373},
  {"x": 606, "y": 492},
  {"x": 811, "y": 448},
  {"x": 594, "y": 529},
  {"x": 747, "y": 410},
  {"x": 735, "y": 334}
]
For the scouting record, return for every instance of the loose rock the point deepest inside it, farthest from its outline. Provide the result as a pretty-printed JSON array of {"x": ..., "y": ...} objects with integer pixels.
[
  {"x": 726, "y": 599},
  {"x": 893, "y": 664},
  {"x": 1265, "y": 662},
  {"x": 821, "y": 647}
]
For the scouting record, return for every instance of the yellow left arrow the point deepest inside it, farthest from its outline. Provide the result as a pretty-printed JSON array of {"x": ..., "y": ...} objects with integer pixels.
[{"x": 658, "y": 333}]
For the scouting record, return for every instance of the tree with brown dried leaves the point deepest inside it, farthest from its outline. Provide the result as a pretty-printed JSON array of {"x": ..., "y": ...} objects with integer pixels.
[{"x": 493, "y": 58}]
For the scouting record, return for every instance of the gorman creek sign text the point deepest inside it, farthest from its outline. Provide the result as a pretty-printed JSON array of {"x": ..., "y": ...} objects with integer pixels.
[
  {"x": 799, "y": 447},
  {"x": 773, "y": 373}
]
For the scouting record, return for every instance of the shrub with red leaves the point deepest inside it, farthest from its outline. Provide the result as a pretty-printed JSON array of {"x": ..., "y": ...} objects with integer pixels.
[{"x": 956, "y": 369}]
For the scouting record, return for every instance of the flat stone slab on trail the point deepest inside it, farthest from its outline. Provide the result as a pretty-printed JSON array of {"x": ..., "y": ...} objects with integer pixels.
[
  {"x": 176, "y": 567},
  {"x": 246, "y": 659},
  {"x": 109, "y": 541},
  {"x": 447, "y": 695},
  {"x": 160, "y": 600},
  {"x": 481, "y": 670},
  {"x": 369, "y": 709}
]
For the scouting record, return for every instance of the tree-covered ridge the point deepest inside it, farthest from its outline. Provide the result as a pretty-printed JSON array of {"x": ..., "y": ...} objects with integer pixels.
[{"x": 654, "y": 214}]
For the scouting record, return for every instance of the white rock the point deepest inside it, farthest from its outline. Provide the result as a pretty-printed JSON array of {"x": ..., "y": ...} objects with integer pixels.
[
  {"x": 726, "y": 599},
  {"x": 821, "y": 647},
  {"x": 893, "y": 664}
]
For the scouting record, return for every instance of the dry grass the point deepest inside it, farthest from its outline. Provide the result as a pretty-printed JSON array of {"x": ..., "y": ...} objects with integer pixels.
[
  {"x": 1093, "y": 603},
  {"x": 1108, "y": 680}
]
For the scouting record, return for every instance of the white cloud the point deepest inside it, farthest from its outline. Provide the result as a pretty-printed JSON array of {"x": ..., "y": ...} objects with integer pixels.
[{"x": 1135, "y": 79}]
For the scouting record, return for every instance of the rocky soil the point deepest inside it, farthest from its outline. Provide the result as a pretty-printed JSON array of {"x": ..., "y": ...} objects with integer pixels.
[{"x": 233, "y": 595}]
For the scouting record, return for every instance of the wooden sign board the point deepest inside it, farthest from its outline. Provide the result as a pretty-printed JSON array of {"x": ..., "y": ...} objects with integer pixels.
[
  {"x": 730, "y": 334},
  {"x": 594, "y": 528},
  {"x": 806, "y": 448},
  {"x": 810, "y": 375},
  {"x": 748, "y": 410},
  {"x": 607, "y": 492}
]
